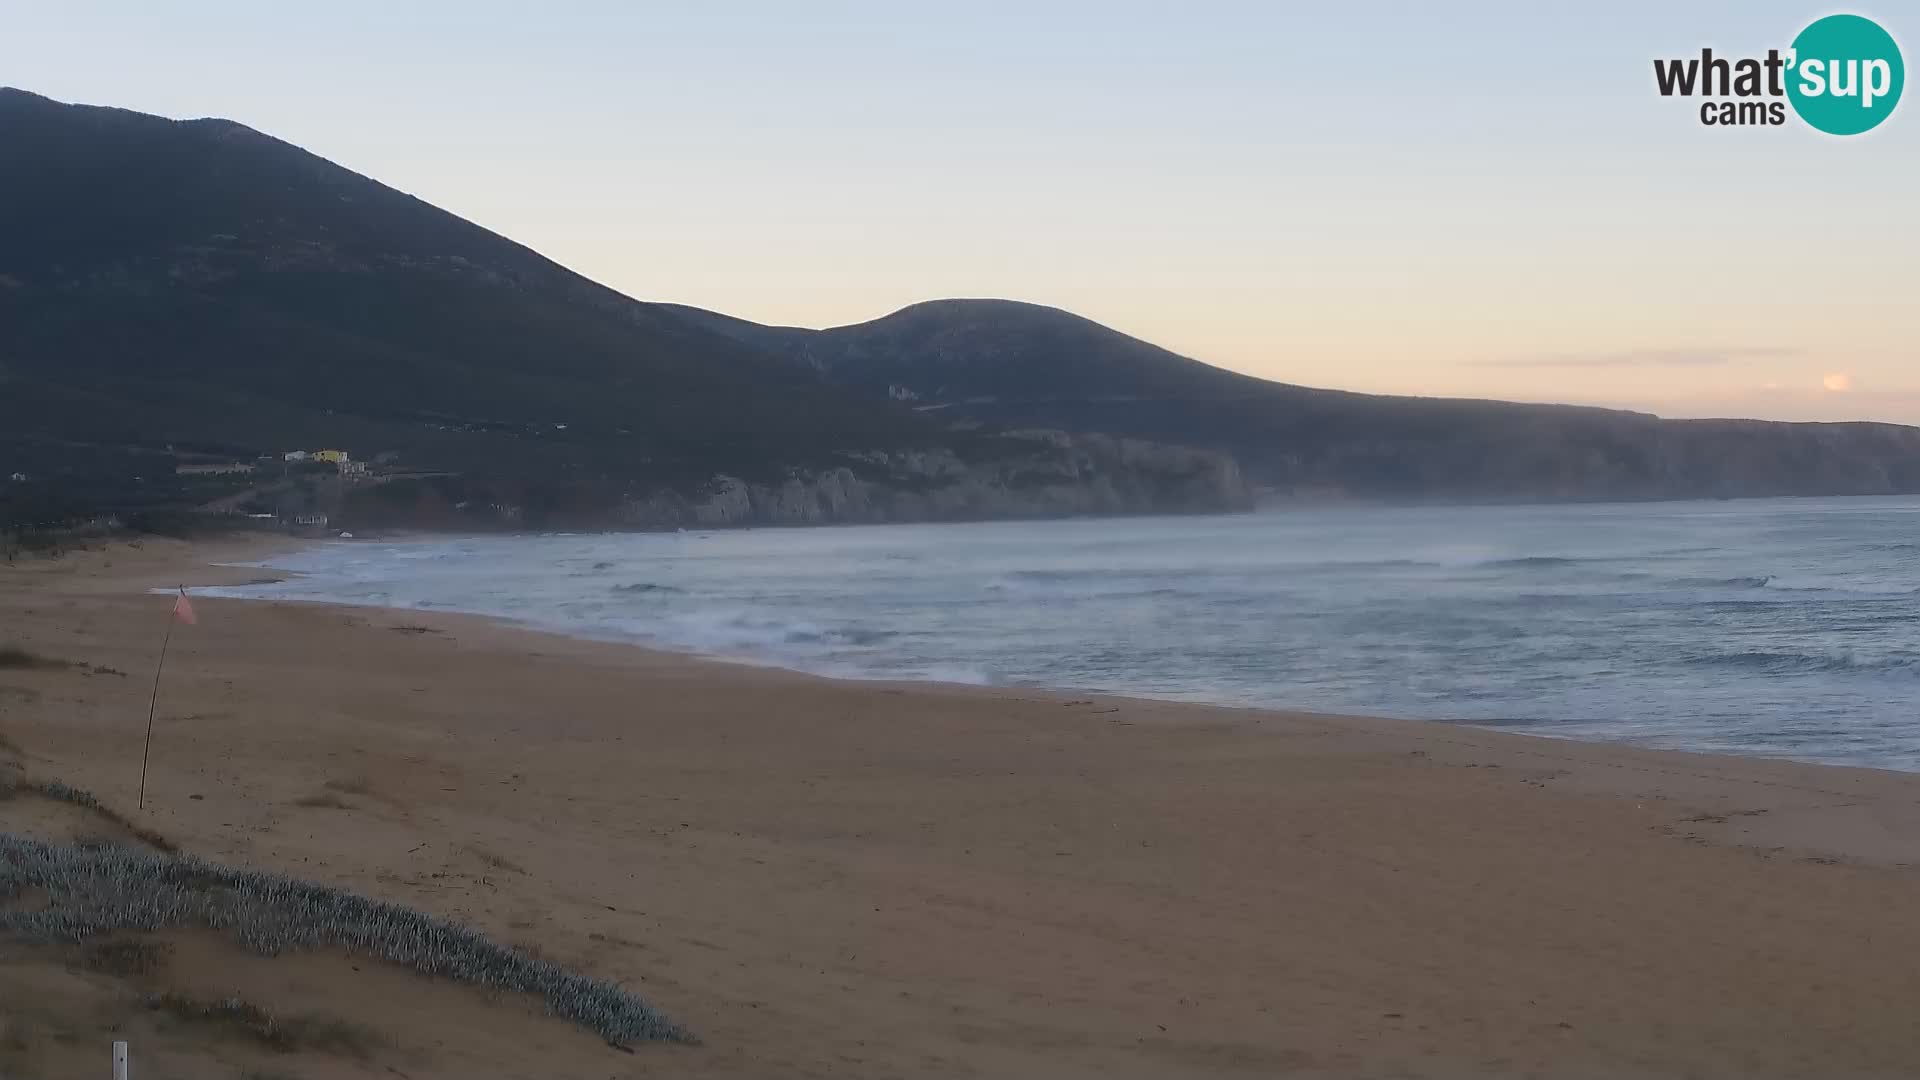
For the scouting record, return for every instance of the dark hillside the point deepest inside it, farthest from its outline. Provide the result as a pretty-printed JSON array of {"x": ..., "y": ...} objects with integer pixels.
[
  {"x": 1004, "y": 362},
  {"x": 197, "y": 283}
]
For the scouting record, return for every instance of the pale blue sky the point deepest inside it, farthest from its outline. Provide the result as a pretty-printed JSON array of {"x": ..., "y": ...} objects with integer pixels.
[{"x": 1485, "y": 199}]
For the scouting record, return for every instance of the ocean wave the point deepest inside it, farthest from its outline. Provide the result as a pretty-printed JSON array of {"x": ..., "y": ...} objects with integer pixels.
[
  {"x": 843, "y": 636},
  {"x": 1802, "y": 663},
  {"x": 839, "y": 669},
  {"x": 755, "y": 637},
  {"x": 752, "y": 632},
  {"x": 1834, "y": 588},
  {"x": 1058, "y": 575},
  {"x": 1756, "y": 581},
  {"x": 1075, "y": 583},
  {"x": 946, "y": 673},
  {"x": 1778, "y": 583},
  {"x": 1031, "y": 579},
  {"x": 1534, "y": 562},
  {"x": 1708, "y": 634}
]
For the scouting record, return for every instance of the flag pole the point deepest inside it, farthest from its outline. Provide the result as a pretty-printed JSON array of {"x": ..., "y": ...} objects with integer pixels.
[{"x": 154, "y": 699}]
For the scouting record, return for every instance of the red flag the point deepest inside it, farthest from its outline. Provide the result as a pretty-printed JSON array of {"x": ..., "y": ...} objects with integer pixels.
[{"x": 183, "y": 609}]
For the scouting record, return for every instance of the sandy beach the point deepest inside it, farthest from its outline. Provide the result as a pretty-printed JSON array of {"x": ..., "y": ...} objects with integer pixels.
[{"x": 824, "y": 878}]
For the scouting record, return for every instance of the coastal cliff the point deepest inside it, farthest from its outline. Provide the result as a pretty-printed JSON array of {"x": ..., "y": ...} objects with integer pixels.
[
  {"x": 1001, "y": 362},
  {"x": 1060, "y": 476},
  {"x": 1030, "y": 474}
]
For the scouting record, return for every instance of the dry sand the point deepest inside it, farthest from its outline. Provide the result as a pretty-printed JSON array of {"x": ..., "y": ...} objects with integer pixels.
[{"x": 858, "y": 880}]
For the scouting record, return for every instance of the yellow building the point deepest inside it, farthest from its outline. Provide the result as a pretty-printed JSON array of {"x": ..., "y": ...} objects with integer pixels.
[{"x": 333, "y": 457}]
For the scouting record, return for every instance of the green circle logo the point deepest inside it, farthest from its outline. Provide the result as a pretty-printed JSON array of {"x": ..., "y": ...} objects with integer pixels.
[{"x": 1846, "y": 74}]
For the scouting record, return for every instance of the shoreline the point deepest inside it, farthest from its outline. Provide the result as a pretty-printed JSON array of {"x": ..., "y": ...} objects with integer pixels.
[
  {"x": 1522, "y": 725},
  {"x": 651, "y": 654},
  {"x": 880, "y": 879}
]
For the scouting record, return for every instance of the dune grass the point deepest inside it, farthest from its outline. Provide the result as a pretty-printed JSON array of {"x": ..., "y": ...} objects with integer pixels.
[
  {"x": 59, "y": 792},
  {"x": 96, "y": 891}
]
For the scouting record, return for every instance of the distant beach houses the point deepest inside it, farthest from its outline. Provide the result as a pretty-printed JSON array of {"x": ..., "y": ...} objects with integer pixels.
[{"x": 339, "y": 458}]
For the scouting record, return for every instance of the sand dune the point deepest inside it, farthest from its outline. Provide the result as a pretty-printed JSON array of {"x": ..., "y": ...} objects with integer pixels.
[{"x": 839, "y": 879}]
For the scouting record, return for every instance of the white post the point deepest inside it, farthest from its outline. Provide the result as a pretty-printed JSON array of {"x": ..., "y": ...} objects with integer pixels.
[{"x": 119, "y": 1061}]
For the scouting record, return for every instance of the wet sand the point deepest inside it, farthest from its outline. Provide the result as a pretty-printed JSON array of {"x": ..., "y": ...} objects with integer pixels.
[{"x": 845, "y": 879}]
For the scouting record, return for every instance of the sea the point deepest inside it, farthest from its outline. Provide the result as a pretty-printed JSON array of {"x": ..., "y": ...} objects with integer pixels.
[{"x": 1786, "y": 628}]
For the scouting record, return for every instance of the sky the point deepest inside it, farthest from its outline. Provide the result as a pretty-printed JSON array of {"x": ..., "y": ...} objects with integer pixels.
[{"x": 1473, "y": 199}]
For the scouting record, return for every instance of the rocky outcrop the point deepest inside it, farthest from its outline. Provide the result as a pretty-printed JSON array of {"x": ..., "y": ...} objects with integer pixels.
[{"x": 1049, "y": 474}]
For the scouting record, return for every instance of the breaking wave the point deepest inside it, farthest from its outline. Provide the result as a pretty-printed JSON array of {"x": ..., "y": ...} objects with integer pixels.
[
  {"x": 1791, "y": 663},
  {"x": 1740, "y": 627}
]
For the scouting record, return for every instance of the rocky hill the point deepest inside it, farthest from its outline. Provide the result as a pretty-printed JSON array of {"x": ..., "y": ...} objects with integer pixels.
[
  {"x": 173, "y": 288},
  {"x": 176, "y": 296},
  {"x": 1003, "y": 362}
]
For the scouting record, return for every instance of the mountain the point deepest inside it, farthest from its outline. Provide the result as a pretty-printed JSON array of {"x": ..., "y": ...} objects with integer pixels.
[
  {"x": 1003, "y": 362},
  {"x": 196, "y": 290},
  {"x": 178, "y": 297}
]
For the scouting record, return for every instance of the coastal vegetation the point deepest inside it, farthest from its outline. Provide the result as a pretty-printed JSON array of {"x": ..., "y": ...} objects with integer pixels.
[{"x": 94, "y": 894}]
